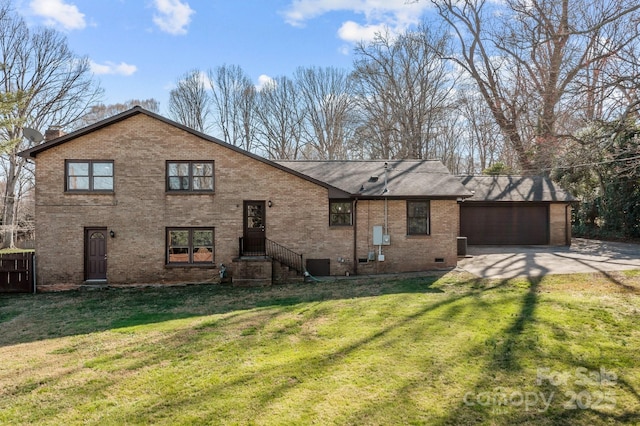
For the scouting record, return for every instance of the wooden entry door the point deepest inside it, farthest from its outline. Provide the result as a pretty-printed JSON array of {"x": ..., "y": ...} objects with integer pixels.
[
  {"x": 254, "y": 228},
  {"x": 95, "y": 241}
]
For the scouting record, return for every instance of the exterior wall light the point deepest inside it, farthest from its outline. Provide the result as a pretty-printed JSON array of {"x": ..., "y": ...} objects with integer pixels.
[
  {"x": 269, "y": 203},
  {"x": 112, "y": 234}
]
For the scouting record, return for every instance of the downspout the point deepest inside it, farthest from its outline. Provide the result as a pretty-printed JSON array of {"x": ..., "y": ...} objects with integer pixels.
[
  {"x": 386, "y": 217},
  {"x": 355, "y": 237},
  {"x": 386, "y": 221},
  {"x": 34, "y": 276},
  {"x": 567, "y": 225}
]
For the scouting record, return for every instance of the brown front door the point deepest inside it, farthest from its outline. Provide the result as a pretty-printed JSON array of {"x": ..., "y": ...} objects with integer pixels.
[
  {"x": 254, "y": 228},
  {"x": 96, "y": 254}
]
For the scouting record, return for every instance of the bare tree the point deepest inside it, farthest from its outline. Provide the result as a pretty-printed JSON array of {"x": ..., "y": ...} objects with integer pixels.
[
  {"x": 446, "y": 141},
  {"x": 404, "y": 90},
  {"x": 625, "y": 75},
  {"x": 189, "y": 102},
  {"x": 101, "y": 111},
  {"x": 610, "y": 87},
  {"x": 280, "y": 119},
  {"x": 328, "y": 103},
  {"x": 54, "y": 86},
  {"x": 529, "y": 58},
  {"x": 234, "y": 98},
  {"x": 482, "y": 136}
]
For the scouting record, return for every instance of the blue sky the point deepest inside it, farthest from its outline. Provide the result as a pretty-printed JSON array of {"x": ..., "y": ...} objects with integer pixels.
[{"x": 139, "y": 48}]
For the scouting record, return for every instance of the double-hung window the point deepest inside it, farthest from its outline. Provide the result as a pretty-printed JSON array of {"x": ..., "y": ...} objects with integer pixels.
[
  {"x": 89, "y": 175},
  {"x": 190, "y": 176},
  {"x": 340, "y": 213},
  {"x": 418, "y": 217},
  {"x": 190, "y": 246}
]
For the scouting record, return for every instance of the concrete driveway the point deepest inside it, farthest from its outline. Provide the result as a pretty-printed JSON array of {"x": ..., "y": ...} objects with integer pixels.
[{"x": 583, "y": 256}]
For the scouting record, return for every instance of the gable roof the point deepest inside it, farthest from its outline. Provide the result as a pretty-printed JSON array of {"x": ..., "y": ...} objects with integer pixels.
[
  {"x": 343, "y": 179},
  {"x": 34, "y": 151},
  {"x": 515, "y": 188},
  {"x": 366, "y": 178}
]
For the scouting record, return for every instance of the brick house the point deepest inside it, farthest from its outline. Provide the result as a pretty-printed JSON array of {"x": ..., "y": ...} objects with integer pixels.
[{"x": 138, "y": 198}]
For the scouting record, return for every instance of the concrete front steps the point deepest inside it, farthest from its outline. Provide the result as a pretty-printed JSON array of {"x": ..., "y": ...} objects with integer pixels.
[{"x": 261, "y": 271}]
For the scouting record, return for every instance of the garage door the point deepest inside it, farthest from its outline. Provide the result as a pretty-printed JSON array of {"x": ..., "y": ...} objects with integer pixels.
[{"x": 510, "y": 224}]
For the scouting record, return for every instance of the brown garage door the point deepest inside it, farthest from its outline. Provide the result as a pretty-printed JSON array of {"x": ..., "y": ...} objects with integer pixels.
[{"x": 508, "y": 224}]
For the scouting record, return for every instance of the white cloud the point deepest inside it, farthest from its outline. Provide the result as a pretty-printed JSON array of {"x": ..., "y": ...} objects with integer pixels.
[
  {"x": 345, "y": 49},
  {"x": 394, "y": 15},
  {"x": 57, "y": 12},
  {"x": 264, "y": 80},
  {"x": 173, "y": 16},
  {"x": 113, "y": 69},
  {"x": 353, "y": 32}
]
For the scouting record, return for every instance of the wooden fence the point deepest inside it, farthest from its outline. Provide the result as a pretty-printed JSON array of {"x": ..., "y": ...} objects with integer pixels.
[{"x": 16, "y": 273}]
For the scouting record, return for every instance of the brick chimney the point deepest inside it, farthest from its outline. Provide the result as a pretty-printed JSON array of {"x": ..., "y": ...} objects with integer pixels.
[{"x": 53, "y": 132}]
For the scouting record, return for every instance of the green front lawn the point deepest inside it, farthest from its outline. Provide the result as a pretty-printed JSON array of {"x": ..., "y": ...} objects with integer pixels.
[{"x": 444, "y": 349}]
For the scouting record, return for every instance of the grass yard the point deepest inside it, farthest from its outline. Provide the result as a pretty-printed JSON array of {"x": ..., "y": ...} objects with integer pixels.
[{"x": 446, "y": 349}]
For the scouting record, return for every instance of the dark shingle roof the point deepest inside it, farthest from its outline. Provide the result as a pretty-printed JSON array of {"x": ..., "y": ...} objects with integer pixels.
[
  {"x": 514, "y": 188},
  {"x": 366, "y": 178}
]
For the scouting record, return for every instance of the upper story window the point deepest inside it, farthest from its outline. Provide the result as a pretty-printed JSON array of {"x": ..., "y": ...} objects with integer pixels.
[
  {"x": 190, "y": 176},
  {"x": 89, "y": 175},
  {"x": 340, "y": 213},
  {"x": 418, "y": 217}
]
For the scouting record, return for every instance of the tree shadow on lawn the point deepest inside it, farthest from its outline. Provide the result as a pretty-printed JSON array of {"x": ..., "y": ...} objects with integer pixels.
[
  {"x": 28, "y": 318},
  {"x": 111, "y": 309},
  {"x": 608, "y": 274},
  {"x": 285, "y": 376},
  {"x": 513, "y": 401},
  {"x": 505, "y": 361},
  {"x": 240, "y": 305}
]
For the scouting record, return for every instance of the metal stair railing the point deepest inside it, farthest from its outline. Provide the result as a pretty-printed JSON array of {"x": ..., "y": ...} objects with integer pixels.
[
  {"x": 284, "y": 255},
  {"x": 275, "y": 251}
]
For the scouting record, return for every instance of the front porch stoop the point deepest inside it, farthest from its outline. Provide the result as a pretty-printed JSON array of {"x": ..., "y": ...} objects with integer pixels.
[{"x": 252, "y": 271}]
